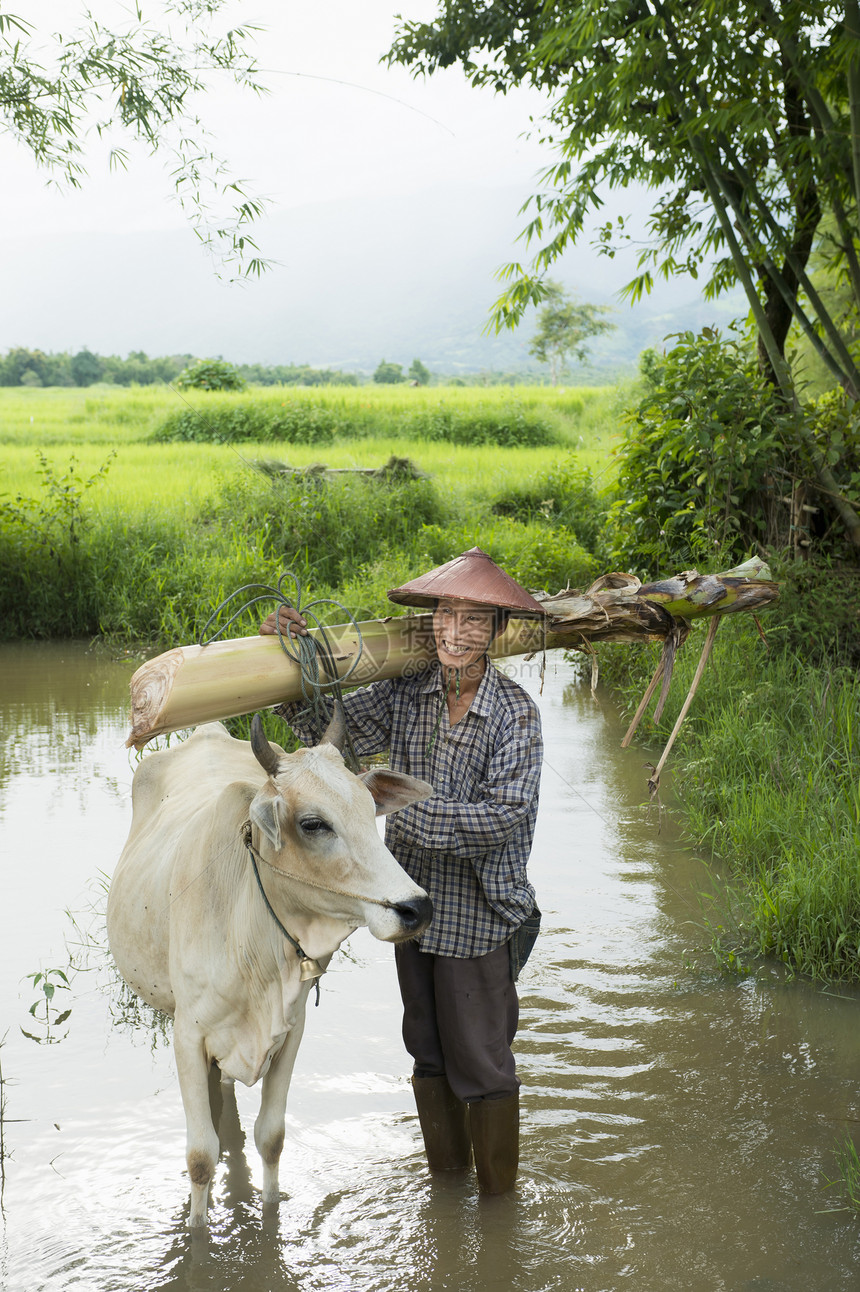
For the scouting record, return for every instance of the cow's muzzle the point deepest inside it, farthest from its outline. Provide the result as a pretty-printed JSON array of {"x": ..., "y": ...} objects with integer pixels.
[{"x": 415, "y": 914}]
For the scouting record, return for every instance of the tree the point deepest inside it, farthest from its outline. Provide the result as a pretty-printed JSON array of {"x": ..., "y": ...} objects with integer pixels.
[
  {"x": 742, "y": 118},
  {"x": 389, "y": 374},
  {"x": 563, "y": 328},
  {"x": 87, "y": 368},
  {"x": 140, "y": 77},
  {"x": 418, "y": 372}
]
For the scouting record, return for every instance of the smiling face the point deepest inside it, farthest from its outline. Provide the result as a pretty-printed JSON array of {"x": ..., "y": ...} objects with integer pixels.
[{"x": 463, "y": 630}]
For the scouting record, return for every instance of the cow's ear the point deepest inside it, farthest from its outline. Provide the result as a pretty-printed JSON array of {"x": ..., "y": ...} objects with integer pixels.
[
  {"x": 269, "y": 813},
  {"x": 393, "y": 790}
]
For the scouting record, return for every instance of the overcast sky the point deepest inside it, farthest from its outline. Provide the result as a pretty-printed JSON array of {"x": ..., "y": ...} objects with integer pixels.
[{"x": 310, "y": 139}]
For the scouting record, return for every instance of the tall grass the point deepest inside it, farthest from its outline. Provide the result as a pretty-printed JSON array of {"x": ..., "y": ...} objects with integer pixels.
[
  {"x": 847, "y": 1180},
  {"x": 104, "y": 414}
]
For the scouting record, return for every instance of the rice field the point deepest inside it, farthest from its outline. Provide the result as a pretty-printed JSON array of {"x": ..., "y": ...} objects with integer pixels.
[{"x": 89, "y": 425}]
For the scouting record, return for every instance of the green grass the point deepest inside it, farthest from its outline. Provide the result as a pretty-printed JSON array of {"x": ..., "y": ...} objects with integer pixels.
[
  {"x": 118, "y": 534},
  {"x": 585, "y": 418},
  {"x": 170, "y": 473},
  {"x": 97, "y": 415},
  {"x": 847, "y": 1179},
  {"x": 88, "y": 424}
]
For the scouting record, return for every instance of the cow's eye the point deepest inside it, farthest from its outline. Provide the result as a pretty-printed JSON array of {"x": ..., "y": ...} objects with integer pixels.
[{"x": 315, "y": 825}]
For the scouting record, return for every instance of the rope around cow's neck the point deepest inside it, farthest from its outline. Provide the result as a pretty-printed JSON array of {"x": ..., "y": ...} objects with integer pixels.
[
  {"x": 310, "y": 968},
  {"x": 300, "y": 879}
]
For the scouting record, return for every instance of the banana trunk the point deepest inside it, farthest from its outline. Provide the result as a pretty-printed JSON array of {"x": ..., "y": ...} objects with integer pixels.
[{"x": 193, "y": 684}]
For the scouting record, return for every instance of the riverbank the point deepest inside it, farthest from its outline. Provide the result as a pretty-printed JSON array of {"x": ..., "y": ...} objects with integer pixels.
[{"x": 766, "y": 768}]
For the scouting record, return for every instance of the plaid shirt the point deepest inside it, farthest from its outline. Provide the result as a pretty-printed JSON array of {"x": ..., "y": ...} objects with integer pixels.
[{"x": 469, "y": 844}]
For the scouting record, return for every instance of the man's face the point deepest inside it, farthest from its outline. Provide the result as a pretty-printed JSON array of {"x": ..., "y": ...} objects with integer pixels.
[{"x": 463, "y": 630}]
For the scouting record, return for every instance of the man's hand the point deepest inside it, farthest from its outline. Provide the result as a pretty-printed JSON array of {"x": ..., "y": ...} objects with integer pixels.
[{"x": 289, "y": 620}]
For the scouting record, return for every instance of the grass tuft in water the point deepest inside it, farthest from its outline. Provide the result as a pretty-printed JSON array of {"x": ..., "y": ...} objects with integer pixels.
[{"x": 847, "y": 1180}]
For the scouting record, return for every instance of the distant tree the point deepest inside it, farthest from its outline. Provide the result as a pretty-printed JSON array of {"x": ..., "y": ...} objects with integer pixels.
[
  {"x": 57, "y": 370},
  {"x": 87, "y": 368},
  {"x": 210, "y": 374},
  {"x": 291, "y": 374},
  {"x": 564, "y": 326},
  {"x": 389, "y": 374},
  {"x": 30, "y": 378},
  {"x": 18, "y": 361},
  {"x": 418, "y": 372},
  {"x": 139, "y": 370},
  {"x": 51, "y": 369}
]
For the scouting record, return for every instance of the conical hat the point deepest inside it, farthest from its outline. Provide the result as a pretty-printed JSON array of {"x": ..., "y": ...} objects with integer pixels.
[{"x": 470, "y": 577}]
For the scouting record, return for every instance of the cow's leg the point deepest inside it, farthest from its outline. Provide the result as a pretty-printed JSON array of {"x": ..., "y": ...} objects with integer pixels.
[
  {"x": 269, "y": 1126},
  {"x": 201, "y": 1139}
]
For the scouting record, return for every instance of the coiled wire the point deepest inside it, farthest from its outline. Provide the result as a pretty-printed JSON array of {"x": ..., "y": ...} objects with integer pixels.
[{"x": 314, "y": 655}]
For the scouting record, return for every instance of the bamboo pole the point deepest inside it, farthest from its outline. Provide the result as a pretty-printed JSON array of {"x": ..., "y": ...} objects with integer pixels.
[{"x": 654, "y": 779}]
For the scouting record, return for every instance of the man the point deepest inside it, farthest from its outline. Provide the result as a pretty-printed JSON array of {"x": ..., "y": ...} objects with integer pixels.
[{"x": 474, "y": 734}]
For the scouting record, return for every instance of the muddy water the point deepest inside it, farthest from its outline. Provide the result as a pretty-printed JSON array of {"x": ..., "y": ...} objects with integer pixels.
[{"x": 677, "y": 1124}]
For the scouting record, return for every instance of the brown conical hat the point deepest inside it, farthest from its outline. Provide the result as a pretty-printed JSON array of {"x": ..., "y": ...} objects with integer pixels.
[{"x": 470, "y": 577}]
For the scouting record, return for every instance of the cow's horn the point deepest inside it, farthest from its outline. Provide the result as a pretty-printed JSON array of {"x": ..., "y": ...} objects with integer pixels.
[
  {"x": 335, "y": 732},
  {"x": 266, "y": 756}
]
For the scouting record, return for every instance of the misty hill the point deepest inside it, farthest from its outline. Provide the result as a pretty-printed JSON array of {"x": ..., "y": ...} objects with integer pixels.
[{"x": 357, "y": 280}]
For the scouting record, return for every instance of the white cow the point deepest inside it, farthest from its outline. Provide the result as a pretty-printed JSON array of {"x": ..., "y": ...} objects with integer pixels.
[{"x": 197, "y": 935}]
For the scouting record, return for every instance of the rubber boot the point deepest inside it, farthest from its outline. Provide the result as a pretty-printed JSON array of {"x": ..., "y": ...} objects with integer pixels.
[
  {"x": 444, "y": 1124},
  {"x": 495, "y": 1128}
]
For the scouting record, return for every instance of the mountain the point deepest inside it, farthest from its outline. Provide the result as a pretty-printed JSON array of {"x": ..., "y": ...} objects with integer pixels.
[{"x": 355, "y": 281}]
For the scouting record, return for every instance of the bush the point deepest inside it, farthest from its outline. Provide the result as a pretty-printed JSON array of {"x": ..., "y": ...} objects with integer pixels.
[
  {"x": 48, "y": 580},
  {"x": 535, "y": 555},
  {"x": 323, "y": 528},
  {"x": 291, "y": 422},
  {"x": 818, "y": 615},
  {"x": 701, "y": 467},
  {"x": 388, "y": 374},
  {"x": 564, "y": 497},
  {"x": 210, "y": 374}
]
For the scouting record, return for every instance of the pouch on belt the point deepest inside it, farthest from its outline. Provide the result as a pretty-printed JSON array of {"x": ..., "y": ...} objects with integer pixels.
[{"x": 522, "y": 942}]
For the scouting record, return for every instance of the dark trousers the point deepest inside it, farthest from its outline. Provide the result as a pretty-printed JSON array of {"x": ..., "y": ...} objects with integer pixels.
[{"x": 459, "y": 1019}]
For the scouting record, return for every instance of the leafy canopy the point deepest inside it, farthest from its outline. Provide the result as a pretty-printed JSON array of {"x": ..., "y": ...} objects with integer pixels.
[
  {"x": 741, "y": 117},
  {"x": 139, "y": 75},
  {"x": 389, "y": 374}
]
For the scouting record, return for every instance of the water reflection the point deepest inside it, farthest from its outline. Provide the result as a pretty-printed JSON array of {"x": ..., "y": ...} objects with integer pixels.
[{"x": 677, "y": 1122}]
